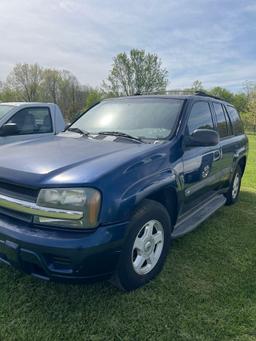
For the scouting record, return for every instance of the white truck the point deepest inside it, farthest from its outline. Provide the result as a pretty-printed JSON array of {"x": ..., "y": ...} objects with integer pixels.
[{"x": 25, "y": 120}]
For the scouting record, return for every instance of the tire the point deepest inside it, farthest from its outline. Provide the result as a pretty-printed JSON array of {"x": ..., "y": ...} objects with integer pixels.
[
  {"x": 146, "y": 247},
  {"x": 234, "y": 190}
]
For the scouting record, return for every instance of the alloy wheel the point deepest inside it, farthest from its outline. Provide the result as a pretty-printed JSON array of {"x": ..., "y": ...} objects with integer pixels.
[{"x": 147, "y": 247}]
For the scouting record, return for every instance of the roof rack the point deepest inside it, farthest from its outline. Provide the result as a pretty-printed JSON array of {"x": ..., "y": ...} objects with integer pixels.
[
  {"x": 166, "y": 92},
  {"x": 178, "y": 92},
  {"x": 203, "y": 93}
]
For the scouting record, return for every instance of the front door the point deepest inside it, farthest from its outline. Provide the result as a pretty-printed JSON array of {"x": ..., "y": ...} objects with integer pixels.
[
  {"x": 31, "y": 123},
  {"x": 200, "y": 164}
]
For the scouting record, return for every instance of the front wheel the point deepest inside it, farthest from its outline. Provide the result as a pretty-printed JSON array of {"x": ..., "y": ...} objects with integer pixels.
[
  {"x": 146, "y": 246},
  {"x": 234, "y": 190}
]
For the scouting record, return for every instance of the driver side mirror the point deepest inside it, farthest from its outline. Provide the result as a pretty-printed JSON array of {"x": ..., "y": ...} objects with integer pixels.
[
  {"x": 202, "y": 138},
  {"x": 8, "y": 129}
]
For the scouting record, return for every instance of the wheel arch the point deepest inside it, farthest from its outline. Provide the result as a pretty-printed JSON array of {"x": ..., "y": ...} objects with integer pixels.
[
  {"x": 168, "y": 198},
  {"x": 242, "y": 163}
]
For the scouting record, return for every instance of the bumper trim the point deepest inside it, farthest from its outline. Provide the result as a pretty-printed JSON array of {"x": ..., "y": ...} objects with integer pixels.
[
  {"x": 33, "y": 209},
  {"x": 57, "y": 254}
]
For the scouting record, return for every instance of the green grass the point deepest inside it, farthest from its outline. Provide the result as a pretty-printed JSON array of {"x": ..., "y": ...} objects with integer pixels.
[{"x": 207, "y": 290}]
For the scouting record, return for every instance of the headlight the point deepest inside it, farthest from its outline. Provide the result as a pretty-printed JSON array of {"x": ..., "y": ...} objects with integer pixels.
[{"x": 85, "y": 201}]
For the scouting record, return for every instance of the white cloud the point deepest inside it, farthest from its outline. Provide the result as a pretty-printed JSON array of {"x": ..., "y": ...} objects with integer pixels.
[{"x": 196, "y": 40}]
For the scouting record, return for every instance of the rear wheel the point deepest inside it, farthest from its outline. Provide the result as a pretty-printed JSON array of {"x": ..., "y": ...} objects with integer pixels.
[
  {"x": 234, "y": 190},
  {"x": 146, "y": 246}
]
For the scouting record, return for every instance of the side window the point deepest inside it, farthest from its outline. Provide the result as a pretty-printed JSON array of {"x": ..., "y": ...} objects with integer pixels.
[
  {"x": 222, "y": 126},
  {"x": 200, "y": 117},
  {"x": 236, "y": 121},
  {"x": 230, "y": 129},
  {"x": 32, "y": 121}
]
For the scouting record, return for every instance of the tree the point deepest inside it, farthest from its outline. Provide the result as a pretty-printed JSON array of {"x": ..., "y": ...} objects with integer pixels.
[
  {"x": 34, "y": 83},
  {"x": 50, "y": 87},
  {"x": 25, "y": 80},
  {"x": 8, "y": 95},
  {"x": 222, "y": 93},
  {"x": 251, "y": 96},
  {"x": 72, "y": 95},
  {"x": 138, "y": 72},
  {"x": 240, "y": 101},
  {"x": 94, "y": 96},
  {"x": 197, "y": 86}
]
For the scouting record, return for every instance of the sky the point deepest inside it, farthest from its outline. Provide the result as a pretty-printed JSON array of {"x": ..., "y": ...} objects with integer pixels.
[{"x": 210, "y": 41}]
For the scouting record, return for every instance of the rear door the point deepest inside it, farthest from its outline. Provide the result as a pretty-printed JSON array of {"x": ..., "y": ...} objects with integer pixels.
[
  {"x": 200, "y": 164},
  {"x": 238, "y": 141},
  {"x": 224, "y": 128}
]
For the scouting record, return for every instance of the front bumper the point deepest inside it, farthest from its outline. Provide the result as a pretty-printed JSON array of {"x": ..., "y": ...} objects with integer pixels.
[{"x": 53, "y": 254}]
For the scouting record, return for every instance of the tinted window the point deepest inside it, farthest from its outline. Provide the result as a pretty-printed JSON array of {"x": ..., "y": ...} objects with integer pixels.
[
  {"x": 200, "y": 117},
  {"x": 148, "y": 118},
  {"x": 221, "y": 120},
  {"x": 229, "y": 125},
  {"x": 32, "y": 121},
  {"x": 236, "y": 121}
]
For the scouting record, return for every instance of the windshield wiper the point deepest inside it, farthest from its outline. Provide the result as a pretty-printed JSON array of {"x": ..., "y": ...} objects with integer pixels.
[
  {"x": 79, "y": 131},
  {"x": 121, "y": 134}
]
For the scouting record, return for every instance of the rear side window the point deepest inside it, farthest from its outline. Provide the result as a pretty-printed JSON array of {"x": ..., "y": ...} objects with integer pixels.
[
  {"x": 222, "y": 126},
  {"x": 235, "y": 120},
  {"x": 32, "y": 121},
  {"x": 230, "y": 129},
  {"x": 200, "y": 117}
]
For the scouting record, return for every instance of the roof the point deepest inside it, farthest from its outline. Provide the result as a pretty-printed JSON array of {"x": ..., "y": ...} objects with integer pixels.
[
  {"x": 17, "y": 104},
  {"x": 203, "y": 97},
  {"x": 176, "y": 94}
]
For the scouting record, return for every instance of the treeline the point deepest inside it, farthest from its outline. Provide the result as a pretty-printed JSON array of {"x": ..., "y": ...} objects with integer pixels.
[
  {"x": 135, "y": 72},
  {"x": 32, "y": 83}
]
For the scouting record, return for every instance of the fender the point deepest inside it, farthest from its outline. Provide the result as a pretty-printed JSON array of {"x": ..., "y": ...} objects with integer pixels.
[
  {"x": 139, "y": 179},
  {"x": 144, "y": 188},
  {"x": 238, "y": 155}
]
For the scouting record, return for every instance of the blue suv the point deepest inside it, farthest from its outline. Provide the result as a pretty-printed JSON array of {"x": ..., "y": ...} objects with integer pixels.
[{"x": 105, "y": 197}]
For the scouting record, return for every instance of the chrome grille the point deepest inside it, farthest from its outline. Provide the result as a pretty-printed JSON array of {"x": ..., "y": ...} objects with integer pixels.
[{"x": 19, "y": 192}]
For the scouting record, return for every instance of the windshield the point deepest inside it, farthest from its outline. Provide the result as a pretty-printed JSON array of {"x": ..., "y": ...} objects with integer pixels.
[
  {"x": 148, "y": 118},
  {"x": 4, "y": 109}
]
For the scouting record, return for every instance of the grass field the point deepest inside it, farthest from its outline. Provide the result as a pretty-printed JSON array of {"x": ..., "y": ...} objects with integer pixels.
[{"x": 207, "y": 290}]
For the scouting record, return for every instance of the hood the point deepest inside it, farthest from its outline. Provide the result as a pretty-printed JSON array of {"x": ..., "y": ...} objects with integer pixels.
[{"x": 64, "y": 159}]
